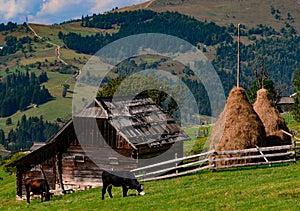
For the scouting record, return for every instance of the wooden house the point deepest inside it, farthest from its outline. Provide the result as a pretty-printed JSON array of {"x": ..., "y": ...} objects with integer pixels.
[
  {"x": 114, "y": 134},
  {"x": 284, "y": 104}
]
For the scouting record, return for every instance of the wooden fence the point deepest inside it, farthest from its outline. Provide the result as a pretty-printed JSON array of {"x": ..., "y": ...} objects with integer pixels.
[{"x": 207, "y": 160}]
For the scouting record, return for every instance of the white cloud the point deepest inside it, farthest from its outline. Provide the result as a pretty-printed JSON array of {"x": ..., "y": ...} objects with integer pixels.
[
  {"x": 56, "y": 6},
  {"x": 12, "y": 8},
  {"x": 106, "y": 5},
  {"x": 56, "y": 11}
]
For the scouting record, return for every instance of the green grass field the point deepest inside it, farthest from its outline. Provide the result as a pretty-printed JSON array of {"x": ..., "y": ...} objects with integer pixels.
[
  {"x": 261, "y": 188},
  {"x": 59, "y": 107}
]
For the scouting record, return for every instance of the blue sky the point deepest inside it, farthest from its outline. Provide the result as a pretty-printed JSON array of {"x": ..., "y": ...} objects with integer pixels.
[{"x": 55, "y": 11}]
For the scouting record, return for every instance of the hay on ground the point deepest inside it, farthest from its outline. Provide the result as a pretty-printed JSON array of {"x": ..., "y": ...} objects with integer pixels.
[
  {"x": 271, "y": 119},
  {"x": 243, "y": 128}
]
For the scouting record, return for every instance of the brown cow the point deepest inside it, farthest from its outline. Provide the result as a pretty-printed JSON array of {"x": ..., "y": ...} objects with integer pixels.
[{"x": 37, "y": 186}]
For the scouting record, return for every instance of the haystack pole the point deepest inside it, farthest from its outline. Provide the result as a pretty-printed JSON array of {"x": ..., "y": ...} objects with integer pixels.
[{"x": 239, "y": 57}]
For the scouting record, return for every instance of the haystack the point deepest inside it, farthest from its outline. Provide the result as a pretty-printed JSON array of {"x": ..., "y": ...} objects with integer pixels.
[
  {"x": 271, "y": 119},
  {"x": 243, "y": 128}
]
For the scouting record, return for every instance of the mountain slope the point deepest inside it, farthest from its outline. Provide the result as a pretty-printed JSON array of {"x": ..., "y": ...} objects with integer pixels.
[
  {"x": 224, "y": 12},
  {"x": 278, "y": 47}
]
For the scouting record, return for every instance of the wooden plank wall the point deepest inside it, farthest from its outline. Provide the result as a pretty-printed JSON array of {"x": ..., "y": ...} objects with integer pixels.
[{"x": 80, "y": 172}]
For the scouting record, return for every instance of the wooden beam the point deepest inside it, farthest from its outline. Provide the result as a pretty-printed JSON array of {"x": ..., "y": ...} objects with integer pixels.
[
  {"x": 58, "y": 165},
  {"x": 173, "y": 168},
  {"x": 291, "y": 135},
  {"x": 261, "y": 153},
  {"x": 175, "y": 175},
  {"x": 238, "y": 57},
  {"x": 232, "y": 152},
  {"x": 19, "y": 182},
  {"x": 173, "y": 161},
  {"x": 253, "y": 157},
  {"x": 254, "y": 164}
]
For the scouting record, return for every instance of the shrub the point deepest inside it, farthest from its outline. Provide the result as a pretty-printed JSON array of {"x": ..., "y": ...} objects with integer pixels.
[{"x": 7, "y": 167}]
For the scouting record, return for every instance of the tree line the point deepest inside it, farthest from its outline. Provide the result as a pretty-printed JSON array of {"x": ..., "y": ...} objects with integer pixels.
[
  {"x": 13, "y": 44},
  {"x": 28, "y": 131},
  {"x": 107, "y": 21},
  {"x": 19, "y": 90},
  {"x": 144, "y": 21},
  {"x": 279, "y": 49},
  {"x": 280, "y": 55},
  {"x": 130, "y": 67},
  {"x": 10, "y": 26}
]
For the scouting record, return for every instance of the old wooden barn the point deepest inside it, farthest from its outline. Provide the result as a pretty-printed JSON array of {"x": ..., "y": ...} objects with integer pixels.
[{"x": 115, "y": 134}]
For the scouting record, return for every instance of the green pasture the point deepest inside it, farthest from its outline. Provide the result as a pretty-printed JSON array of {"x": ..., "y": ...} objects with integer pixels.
[
  {"x": 258, "y": 188},
  {"x": 59, "y": 107}
]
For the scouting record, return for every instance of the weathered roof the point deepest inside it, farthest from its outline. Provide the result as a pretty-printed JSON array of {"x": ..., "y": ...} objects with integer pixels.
[
  {"x": 141, "y": 121},
  {"x": 93, "y": 112},
  {"x": 37, "y": 145},
  {"x": 138, "y": 119},
  {"x": 285, "y": 100}
]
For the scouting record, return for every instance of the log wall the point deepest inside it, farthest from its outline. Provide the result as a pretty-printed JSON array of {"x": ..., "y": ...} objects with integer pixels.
[{"x": 80, "y": 172}]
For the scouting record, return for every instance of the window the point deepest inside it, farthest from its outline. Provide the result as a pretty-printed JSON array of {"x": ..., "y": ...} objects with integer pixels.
[
  {"x": 79, "y": 158},
  {"x": 113, "y": 160}
]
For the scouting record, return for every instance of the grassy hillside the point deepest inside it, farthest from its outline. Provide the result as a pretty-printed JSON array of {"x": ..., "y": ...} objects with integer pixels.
[
  {"x": 263, "y": 188},
  {"x": 44, "y": 51},
  {"x": 224, "y": 12},
  {"x": 58, "y": 108}
]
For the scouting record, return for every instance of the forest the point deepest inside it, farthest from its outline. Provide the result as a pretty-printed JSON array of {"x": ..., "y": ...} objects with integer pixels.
[
  {"x": 111, "y": 84},
  {"x": 28, "y": 131},
  {"x": 278, "y": 49},
  {"x": 12, "y": 100},
  {"x": 280, "y": 56},
  {"x": 144, "y": 21},
  {"x": 13, "y": 44},
  {"x": 10, "y": 26}
]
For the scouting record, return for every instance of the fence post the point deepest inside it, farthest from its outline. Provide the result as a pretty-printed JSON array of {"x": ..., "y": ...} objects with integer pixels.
[
  {"x": 176, "y": 164},
  {"x": 295, "y": 151},
  {"x": 212, "y": 163}
]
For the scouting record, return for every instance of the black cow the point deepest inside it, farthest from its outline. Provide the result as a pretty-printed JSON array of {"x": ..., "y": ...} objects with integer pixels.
[
  {"x": 37, "y": 186},
  {"x": 125, "y": 179}
]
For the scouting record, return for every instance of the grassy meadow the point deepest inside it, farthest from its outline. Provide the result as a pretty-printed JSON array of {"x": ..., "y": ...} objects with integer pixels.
[
  {"x": 256, "y": 188},
  {"x": 59, "y": 107},
  {"x": 261, "y": 188}
]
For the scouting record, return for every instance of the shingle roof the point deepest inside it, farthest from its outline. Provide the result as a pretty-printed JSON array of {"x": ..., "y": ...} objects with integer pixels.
[
  {"x": 285, "y": 100},
  {"x": 141, "y": 121}
]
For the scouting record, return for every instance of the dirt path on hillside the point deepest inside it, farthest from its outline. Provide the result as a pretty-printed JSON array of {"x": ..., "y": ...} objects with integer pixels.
[
  {"x": 51, "y": 43},
  {"x": 149, "y": 3}
]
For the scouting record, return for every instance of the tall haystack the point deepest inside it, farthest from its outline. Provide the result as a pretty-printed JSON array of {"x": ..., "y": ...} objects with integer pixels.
[
  {"x": 243, "y": 128},
  {"x": 271, "y": 119}
]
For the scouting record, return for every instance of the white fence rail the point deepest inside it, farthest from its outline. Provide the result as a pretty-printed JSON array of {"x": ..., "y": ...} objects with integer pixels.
[{"x": 209, "y": 160}]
